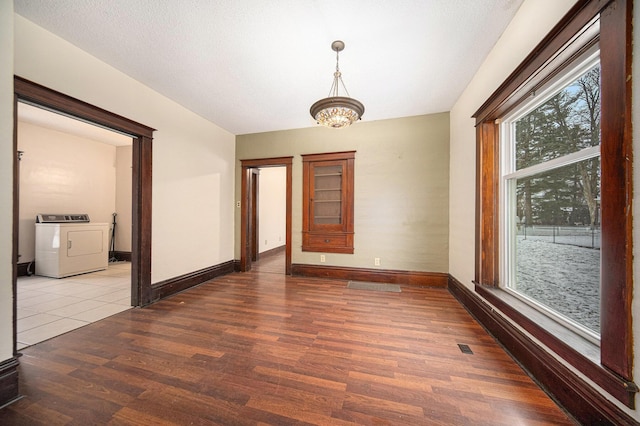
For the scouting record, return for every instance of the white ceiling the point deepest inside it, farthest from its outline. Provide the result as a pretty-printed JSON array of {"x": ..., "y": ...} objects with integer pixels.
[
  {"x": 257, "y": 65},
  {"x": 62, "y": 123}
]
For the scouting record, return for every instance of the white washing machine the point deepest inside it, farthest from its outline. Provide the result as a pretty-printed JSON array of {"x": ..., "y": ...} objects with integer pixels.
[{"x": 70, "y": 245}]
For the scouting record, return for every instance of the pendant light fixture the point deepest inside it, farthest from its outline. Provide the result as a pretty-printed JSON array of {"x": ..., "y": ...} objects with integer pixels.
[{"x": 337, "y": 111}]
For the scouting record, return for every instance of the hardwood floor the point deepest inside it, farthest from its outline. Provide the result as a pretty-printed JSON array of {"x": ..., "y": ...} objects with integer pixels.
[{"x": 264, "y": 348}]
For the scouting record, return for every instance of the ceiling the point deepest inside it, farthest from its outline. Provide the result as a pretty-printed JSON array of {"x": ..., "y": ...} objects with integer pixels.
[
  {"x": 51, "y": 120},
  {"x": 257, "y": 65}
]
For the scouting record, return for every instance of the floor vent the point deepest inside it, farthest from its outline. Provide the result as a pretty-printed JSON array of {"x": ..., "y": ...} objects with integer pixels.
[
  {"x": 465, "y": 349},
  {"x": 360, "y": 285}
]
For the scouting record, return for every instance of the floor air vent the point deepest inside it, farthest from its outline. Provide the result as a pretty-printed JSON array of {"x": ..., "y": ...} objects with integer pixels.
[
  {"x": 360, "y": 285},
  {"x": 465, "y": 349}
]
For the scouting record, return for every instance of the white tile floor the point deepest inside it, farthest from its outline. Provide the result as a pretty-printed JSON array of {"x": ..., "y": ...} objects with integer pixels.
[{"x": 48, "y": 307}]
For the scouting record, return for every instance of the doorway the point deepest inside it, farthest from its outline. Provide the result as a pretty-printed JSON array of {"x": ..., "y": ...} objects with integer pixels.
[
  {"x": 69, "y": 166},
  {"x": 248, "y": 212},
  {"x": 35, "y": 94}
]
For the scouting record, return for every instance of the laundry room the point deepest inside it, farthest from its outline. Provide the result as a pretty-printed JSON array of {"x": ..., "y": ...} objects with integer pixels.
[{"x": 75, "y": 189}]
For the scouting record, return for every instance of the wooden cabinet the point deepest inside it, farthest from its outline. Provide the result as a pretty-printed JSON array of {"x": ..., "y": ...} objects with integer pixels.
[{"x": 327, "y": 202}]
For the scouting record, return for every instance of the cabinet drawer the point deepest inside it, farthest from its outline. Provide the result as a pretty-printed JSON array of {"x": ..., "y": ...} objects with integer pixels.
[{"x": 325, "y": 242}]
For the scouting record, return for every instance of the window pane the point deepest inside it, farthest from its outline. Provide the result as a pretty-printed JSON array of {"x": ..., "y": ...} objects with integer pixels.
[
  {"x": 566, "y": 123},
  {"x": 327, "y": 202},
  {"x": 557, "y": 241}
]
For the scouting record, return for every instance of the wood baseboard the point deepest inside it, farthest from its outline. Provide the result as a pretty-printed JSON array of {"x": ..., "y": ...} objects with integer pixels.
[
  {"x": 429, "y": 279},
  {"x": 9, "y": 382},
  {"x": 26, "y": 268},
  {"x": 582, "y": 401},
  {"x": 175, "y": 285},
  {"x": 120, "y": 256},
  {"x": 273, "y": 251}
]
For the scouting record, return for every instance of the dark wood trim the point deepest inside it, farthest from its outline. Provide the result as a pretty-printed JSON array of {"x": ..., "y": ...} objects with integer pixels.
[
  {"x": 41, "y": 96},
  {"x": 563, "y": 342},
  {"x": 36, "y": 94},
  {"x": 614, "y": 368},
  {"x": 141, "y": 221},
  {"x": 273, "y": 251},
  {"x": 15, "y": 249},
  {"x": 254, "y": 203},
  {"x": 121, "y": 256},
  {"x": 183, "y": 282},
  {"x": 487, "y": 197},
  {"x": 530, "y": 74},
  {"x": 245, "y": 166},
  {"x": 288, "y": 220},
  {"x": 430, "y": 279},
  {"x": 9, "y": 391},
  {"x": 267, "y": 162},
  {"x": 617, "y": 189},
  {"x": 582, "y": 401},
  {"x": 245, "y": 219}
]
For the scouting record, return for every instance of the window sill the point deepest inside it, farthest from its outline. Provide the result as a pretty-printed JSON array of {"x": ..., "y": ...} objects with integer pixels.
[{"x": 579, "y": 352}]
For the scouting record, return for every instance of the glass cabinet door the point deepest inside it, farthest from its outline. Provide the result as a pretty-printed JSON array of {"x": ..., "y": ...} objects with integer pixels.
[{"x": 328, "y": 202}]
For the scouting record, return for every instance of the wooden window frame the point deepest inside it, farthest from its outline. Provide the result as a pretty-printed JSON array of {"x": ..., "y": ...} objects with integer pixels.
[
  {"x": 328, "y": 238},
  {"x": 610, "y": 364}
]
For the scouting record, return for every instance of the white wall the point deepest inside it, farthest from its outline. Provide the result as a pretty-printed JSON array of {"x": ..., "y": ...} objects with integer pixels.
[
  {"x": 6, "y": 179},
  {"x": 123, "y": 198},
  {"x": 534, "y": 20},
  {"x": 193, "y": 159},
  {"x": 62, "y": 173},
  {"x": 272, "y": 208}
]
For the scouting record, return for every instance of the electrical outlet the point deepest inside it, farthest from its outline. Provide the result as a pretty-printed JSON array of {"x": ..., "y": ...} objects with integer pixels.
[
  {"x": 237, "y": 203},
  {"x": 376, "y": 261},
  {"x": 322, "y": 258}
]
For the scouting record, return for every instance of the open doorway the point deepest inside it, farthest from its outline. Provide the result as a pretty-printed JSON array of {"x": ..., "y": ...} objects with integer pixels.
[
  {"x": 69, "y": 167},
  {"x": 140, "y": 275},
  {"x": 269, "y": 225},
  {"x": 250, "y": 223}
]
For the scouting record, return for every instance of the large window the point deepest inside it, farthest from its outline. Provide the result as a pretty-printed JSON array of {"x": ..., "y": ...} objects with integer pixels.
[
  {"x": 554, "y": 251},
  {"x": 550, "y": 185}
]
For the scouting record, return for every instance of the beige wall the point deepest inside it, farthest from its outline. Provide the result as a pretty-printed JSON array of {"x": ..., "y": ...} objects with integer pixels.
[
  {"x": 62, "y": 173},
  {"x": 534, "y": 20},
  {"x": 401, "y": 188},
  {"x": 193, "y": 159},
  {"x": 6, "y": 179}
]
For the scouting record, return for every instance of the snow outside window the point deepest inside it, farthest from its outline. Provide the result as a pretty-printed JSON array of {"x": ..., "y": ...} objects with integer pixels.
[{"x": 550, "y": 184}]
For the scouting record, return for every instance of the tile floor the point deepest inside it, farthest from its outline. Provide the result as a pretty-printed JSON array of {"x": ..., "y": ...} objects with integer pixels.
[{"x": 48, "y": 307}]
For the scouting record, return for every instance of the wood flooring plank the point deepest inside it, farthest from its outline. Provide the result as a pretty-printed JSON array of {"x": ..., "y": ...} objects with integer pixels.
[
  {"x": 315, "y": 381},
  {"x": 262, "y": 348}
]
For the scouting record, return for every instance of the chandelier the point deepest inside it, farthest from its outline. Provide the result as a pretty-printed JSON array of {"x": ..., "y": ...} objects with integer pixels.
[{"x": 337, "y": 111}]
